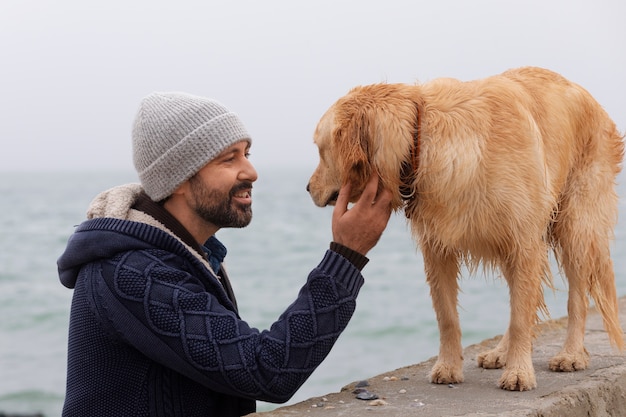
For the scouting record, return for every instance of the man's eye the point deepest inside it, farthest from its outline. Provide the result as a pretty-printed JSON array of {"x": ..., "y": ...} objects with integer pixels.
[{"x": 247, "y": 155}]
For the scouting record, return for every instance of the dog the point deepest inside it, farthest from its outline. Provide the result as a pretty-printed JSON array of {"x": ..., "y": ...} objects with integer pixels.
[{"x": 494, "y": 172}]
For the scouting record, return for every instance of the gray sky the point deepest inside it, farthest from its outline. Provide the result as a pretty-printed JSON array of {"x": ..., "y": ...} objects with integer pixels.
[{"x": 72, "y": 72}]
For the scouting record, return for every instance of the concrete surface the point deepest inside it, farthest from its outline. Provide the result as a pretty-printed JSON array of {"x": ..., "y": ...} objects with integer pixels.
[{"x": 597, "y": 391}]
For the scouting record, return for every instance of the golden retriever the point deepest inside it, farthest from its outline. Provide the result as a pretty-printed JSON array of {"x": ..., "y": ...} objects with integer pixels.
[{"x": 496, "y": 171}]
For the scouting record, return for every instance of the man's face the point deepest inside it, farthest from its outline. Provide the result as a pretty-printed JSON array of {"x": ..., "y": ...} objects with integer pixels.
[{"x": 221, "y": 191}]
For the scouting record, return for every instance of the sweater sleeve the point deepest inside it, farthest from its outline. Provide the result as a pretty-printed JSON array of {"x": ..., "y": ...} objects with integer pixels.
[{"x": 166, "y": 313}]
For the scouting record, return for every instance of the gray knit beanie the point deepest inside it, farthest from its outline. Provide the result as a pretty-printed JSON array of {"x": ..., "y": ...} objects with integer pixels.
[{"x": 175, "y": 135}]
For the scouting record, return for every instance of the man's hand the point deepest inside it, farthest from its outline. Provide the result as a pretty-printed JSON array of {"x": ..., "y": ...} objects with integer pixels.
[{"x": 360, "y": 227}]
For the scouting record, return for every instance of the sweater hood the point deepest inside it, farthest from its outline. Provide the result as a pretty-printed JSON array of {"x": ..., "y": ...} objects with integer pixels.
[
  {"x": 112, "y": 227},
  {"x": 115, "y": 202}
]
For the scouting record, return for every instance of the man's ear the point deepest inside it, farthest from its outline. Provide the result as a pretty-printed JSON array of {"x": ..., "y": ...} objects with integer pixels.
[{"x": 183, "y": 188}]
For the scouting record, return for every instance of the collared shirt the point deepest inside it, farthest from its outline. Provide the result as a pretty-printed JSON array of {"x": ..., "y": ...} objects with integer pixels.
[{"x": 215, "y": 253}]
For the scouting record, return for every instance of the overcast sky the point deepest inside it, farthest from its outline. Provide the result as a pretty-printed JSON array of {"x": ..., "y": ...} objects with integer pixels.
[{"x": 73, "y": 72}]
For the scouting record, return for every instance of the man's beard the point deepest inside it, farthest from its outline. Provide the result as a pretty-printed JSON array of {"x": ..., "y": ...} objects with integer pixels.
[{"x": 217, "y": 208}]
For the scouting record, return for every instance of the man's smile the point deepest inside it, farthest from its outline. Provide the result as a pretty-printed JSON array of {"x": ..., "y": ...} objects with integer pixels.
[{"x": 244, "y": 196}]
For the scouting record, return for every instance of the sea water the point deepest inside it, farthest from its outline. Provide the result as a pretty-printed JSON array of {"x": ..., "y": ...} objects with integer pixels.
[{"x": 394, "y": 324}]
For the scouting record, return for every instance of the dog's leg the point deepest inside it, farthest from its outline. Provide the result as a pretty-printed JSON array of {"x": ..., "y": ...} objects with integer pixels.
[
  {"x": 583, "y": 230},
  {"x": 523, "y": 274},
  {"x": 442, "y": 271},
  {"x": 573, "y": 356},
  {"x": 594, "y": 275}
]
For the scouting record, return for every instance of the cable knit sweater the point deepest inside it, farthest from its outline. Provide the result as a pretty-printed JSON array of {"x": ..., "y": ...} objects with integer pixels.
[{"x": 154, "y": 333}]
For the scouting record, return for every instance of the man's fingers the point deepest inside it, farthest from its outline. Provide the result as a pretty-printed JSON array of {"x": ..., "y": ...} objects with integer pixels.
[
  {"x": 341, "y": 205},
  {"x": 360, "y": 227},
  {"x": 371, "y": 189}
]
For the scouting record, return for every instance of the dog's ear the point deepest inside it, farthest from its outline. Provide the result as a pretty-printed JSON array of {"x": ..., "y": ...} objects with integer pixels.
[{"x": 352, "y": 140}]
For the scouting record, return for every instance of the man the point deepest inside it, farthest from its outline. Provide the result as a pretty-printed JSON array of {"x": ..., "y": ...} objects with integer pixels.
[{"x": 154, "y": 328}]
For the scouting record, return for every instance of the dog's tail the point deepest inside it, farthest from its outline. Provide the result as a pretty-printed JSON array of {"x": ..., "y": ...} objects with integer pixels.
[
  {"x": 604, "y": 295},
  {"x": 584, "y": 226},
  {"x": 602, "y": 278}
]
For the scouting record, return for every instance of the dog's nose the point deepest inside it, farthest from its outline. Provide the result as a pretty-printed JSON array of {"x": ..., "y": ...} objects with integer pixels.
[{"x": 308, "y": 190}]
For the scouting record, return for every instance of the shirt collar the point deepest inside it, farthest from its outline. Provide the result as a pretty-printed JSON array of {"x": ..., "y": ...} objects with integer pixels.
[{"x": 215, "y": 252}]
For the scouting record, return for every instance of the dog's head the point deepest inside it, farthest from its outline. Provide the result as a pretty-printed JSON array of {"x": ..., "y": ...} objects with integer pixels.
[{"x": 368, "y": 130}]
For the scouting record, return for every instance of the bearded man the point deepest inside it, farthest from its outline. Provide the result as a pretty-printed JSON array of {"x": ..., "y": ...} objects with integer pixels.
[{"x": 154, "y": 327}]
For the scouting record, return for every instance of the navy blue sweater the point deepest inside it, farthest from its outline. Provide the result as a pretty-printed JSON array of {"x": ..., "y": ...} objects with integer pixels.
[{"x": 154, "y": 333}]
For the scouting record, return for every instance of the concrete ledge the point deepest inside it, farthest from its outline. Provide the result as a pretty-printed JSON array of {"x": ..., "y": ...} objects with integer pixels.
[{"x": 599, "y": 390}]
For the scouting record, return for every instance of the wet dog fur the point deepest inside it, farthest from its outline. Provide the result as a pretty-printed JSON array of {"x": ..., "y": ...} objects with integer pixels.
[{"x": 508, "y": 168}]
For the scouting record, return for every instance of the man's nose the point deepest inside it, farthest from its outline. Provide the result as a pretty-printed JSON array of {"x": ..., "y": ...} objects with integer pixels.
[{"x": 250, "y": 172}]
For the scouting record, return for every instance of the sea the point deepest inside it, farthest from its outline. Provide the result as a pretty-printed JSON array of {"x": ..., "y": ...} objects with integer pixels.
[{"x": 394, "y": 324}]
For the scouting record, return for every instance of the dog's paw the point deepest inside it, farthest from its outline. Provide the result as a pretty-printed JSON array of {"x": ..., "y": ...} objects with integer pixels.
[
  {"x": 569, "y": 362},
  {"x": 492, "y": 359},
  {"x": 444, "y": 373},
  {"x": 518, "y": 379}
]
